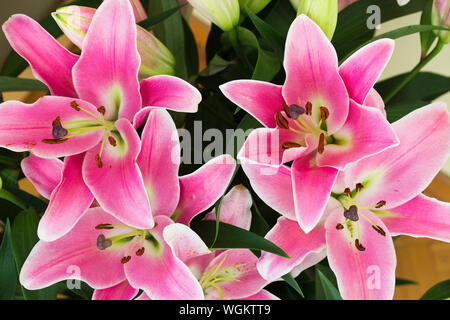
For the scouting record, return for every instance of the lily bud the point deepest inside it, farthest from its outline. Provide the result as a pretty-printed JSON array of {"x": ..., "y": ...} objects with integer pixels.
[
  {"x": 156, "y": 59},
  {"x": 441, "y": 17},
  {"x": 254, "y": 5},
  {"x": 223, "y": 13},
  {"x": 323, "y": 12}
]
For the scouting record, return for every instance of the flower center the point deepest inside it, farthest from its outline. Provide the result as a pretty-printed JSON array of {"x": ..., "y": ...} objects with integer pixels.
[
  {"x": 303, "y": 125},
  {"x": 352, "y": 213},
  {"x": 62, "y": 132},
  {"x": 216, "y": 275}
]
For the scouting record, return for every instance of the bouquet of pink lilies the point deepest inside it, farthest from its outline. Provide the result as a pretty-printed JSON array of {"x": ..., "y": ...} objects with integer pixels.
[{"x": 267, "y": 163}]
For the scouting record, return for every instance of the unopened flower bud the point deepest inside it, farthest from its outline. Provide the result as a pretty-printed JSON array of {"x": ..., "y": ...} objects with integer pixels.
[
  {"x": 441, "y": 17},
  {"x": 323, "y": 12},
  {"x": 223, "y": 13},
  {"x": 253, "y": 5}
]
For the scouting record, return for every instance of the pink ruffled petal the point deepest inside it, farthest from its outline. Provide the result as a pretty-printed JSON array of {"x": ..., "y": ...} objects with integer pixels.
[
  {"x": 399, "y": 174},
  {"x": 419, "y": 217},
  {"x": 170, "y": 92},
  {"x": 242, "y": 267},
  {"x": 299, "y": 246},
  {"x": 362, "y": 69},
  {"x": 159, "y": 272},
  {"x": 202, "y": 188},
  {"x": 264, "y": 178},
  {"x": 107, "y": 72},
  {"x": 50, "y": 62},
  {"x": 262, "y": 295},
  {"x": 159, "y": 161},
  {"x": 366, "y": 132},
  {"x": 25, "y": 126},
  {"x": 361, "y": 275},
  {"x": 374, "y": 100},
  {"x": 235, "y": 208},
  {"x": 68, "y": 201},
  {"x": 76, "y": 256},
  {"x": 118, "y": 185},
  {"x": 312, "y": 188},
  {"x": 44, "y": 174},
  {"x": 261, "y": 99},
  {"x": 312, "y": 72},
  {"x": 122, "y": 291}
]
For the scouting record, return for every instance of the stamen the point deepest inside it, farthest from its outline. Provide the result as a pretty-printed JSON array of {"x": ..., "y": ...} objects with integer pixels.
[
  {"x": 324, "y": 113},
  {"x": 352, "y": 213},
  {"x": 380, "y": 204},
  {"x": 104, "y": 226},
  {"x": 140, "y": 252},
  {"x": 359, "y": 246},
  {"x": 289, "y": 145},
  {"x": 348, "y": 192},
  {"x": 54, "y": 141},
  {"x": 75, "y": 105},
  {"x": 125, "y": 259},
  {"x": 379, "y": 230},
  {"x": 58, "y": 131},
  {"x": 295, "y": 111},
  {"x": 98, "y": 161},
  {"x": 112, "y": 141},
  {"x": 321, "y": 147},
  {"x": 308, "y": 108},
  {"x": 286, "y": 109},
  {"x": 103, "y": 243},
  {"x": 359, "y": 187},
  {"x": 339, "y": 226},
  {"x": 281, "y": 121},
  {"x": 102, "y": 110}
]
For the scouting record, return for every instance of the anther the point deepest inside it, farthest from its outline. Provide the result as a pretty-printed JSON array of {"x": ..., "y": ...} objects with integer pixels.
[
  {"x": 102, "y": 110},
  {"x": 321, "y": 147},
  {"x": 104, "y": 226},
  {"x": 140, "y": 252},
  {"x": 286, "y": 109},
  {"x": 295, "y": 111},
  {"x": 380, "y": 204},
  {"x": 324, "y": 113},
  {"x": 359, "y": 187},
  {"x": 379, "y": 230},
  {"x": 58, "y": 131},
  {"x": 308, "y": 108},
  {"x": 54, "y": 141},
  {"x": 348, "y": 192},
  {"x": 99, "y": 162},
  {"x": 75, "y": 105},
  {"x": 352, "y": 213},
  {"x": 281, "y": 121},
  {"x": 103, "y": 243},
  {"x": 125, "y": 259},
  {"x": 112, "y": 141},
  {"x": 359, "y": 246},
  {"x": 339, "y": 226},
  {"x": 289, "y": 145}
]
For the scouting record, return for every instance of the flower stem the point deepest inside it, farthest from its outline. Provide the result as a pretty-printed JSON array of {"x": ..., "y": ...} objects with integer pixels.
[
  {"x": 234, "y": 39},
  {"x": 415, "y": 71}
]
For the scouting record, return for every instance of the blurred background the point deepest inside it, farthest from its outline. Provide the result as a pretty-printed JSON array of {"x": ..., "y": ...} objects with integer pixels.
[{"x": 425, "y": 261}]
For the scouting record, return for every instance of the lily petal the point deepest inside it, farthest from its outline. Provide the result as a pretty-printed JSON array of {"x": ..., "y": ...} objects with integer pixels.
[
  {"x": 264, "y": 178},
  {"x": 44, "y": 174},
  {"x": 202, "y": 188},
  {"x": 262, "y": 295},
  {"x": 312, "y": 188},
  {"x": 312, "y": 72},
  {"x": 419, "y": 217},
  {"x": 235, "y": 208},
  {"x": 50, "y": 62},
  {"x": 362, "y": 69},
  {"x": 122, "y": 291},
  {"x": 374, "y": 100},
  {"x": 399, "y": 174},
  {"x": 159, "y": 272},
  {"x": 118, "y": 186},
  {"x": 261, "y": 99},
  {"x": 24, "y": 127},
  {"x": 107, "y": 72},
  {"x": 361, "y": 275},
  {"x": 299, "y": 246},
  {"x": 68, "y": 201},
  {"x": 76, "y": 256},
  {"x": 366, "y": 132},
  {"x": 169, "y": 92},
  {"x": 159, "y": 161}
]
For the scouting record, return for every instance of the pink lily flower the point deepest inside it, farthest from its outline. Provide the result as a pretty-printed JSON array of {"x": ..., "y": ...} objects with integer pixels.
[
  {"x": 374, "y": 199},
  {"x": 317, "y": 119},
  {"x": 96, "y": 96}
]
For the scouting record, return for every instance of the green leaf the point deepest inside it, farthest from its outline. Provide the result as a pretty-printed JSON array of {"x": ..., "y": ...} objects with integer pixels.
[
  {"x": 273, "y": 38},
  {"x": 231, "y": 237},
  {"x": 8, "y": 272},
  {"x": 15, "y": 64},
  {"x": 325, "y": 290},
  {"x": 397, "y": 111},
  {"x": 24, "y": 237},
  {"x": 427, "y": 37},
  {"x": 441, "y": 291},
  {"x": 404, "y": 282},
  {"x": 293, "y": 283},
  {"x": 191, "y": 53},
  {"x": 6, "y": 195},
  {"x": 18, "y": 84},
  {"x": 216, "y": 65},
  {"x": 158, "y": 18}
]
